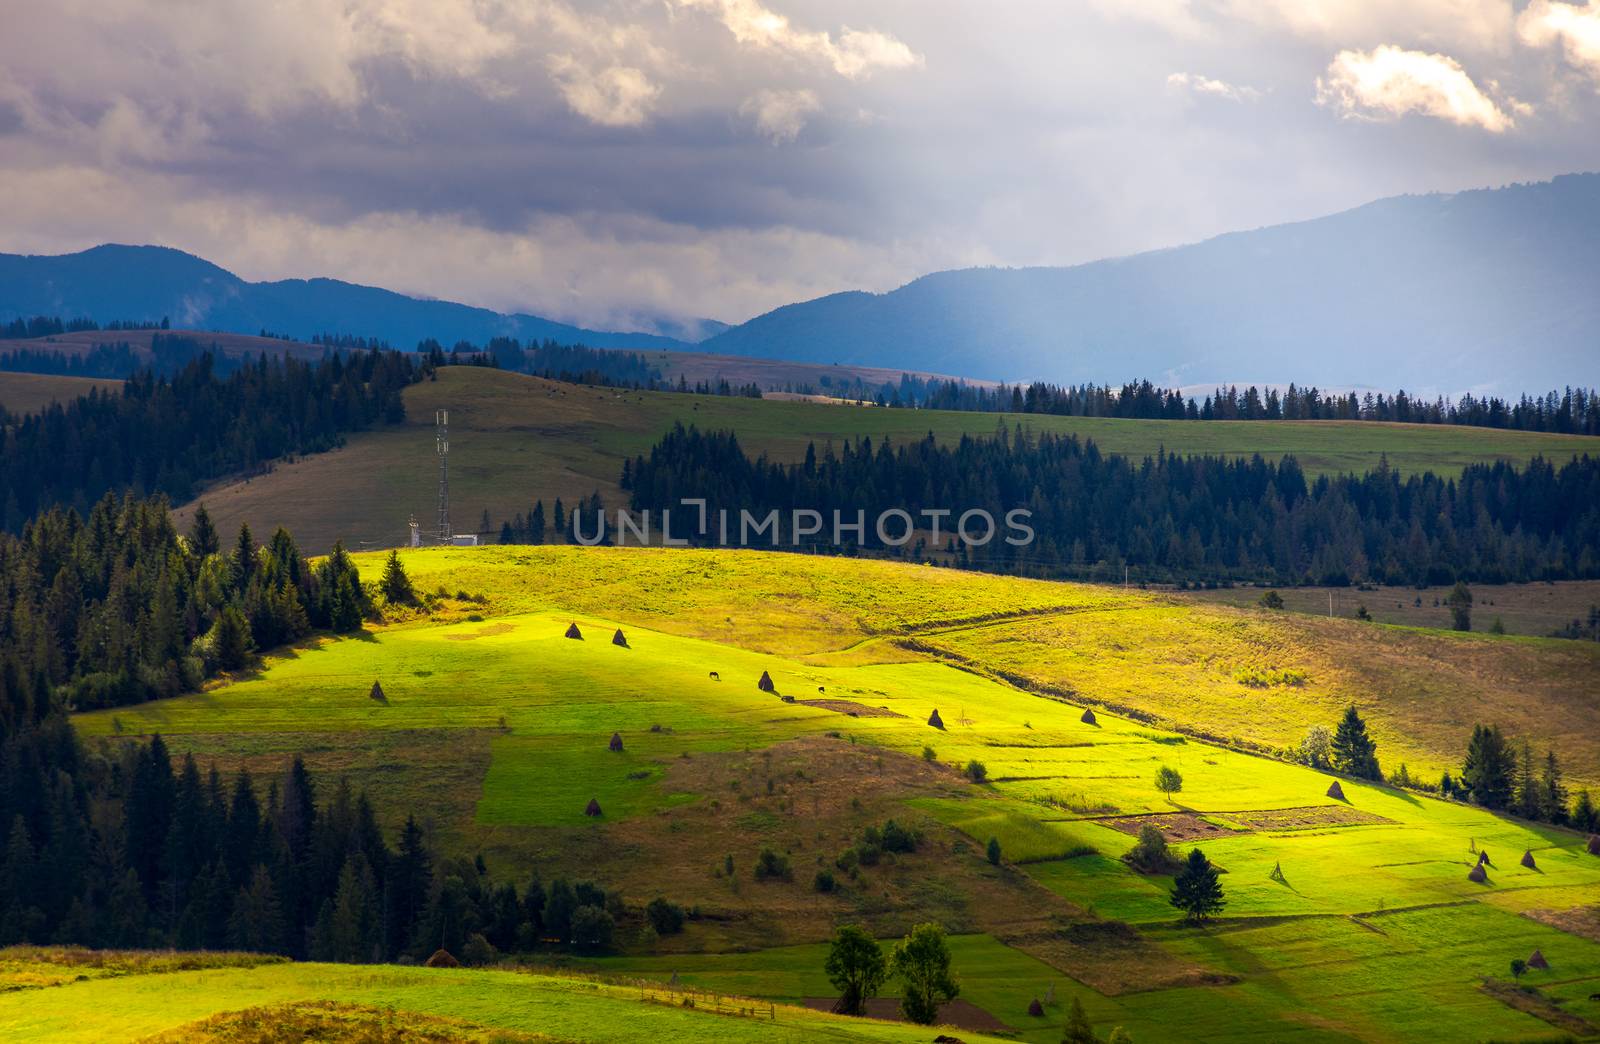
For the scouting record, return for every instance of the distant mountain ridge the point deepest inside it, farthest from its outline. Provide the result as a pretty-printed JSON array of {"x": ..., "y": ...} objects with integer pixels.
[
  {"x": 1490, "y": 289},
  {"x": 113, "y": 282}
]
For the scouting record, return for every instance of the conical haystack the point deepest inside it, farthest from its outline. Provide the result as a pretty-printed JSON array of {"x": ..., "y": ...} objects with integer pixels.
[
  {"x": 934, "y": 719},
  {"x": 1035, "y": 1008},
  {"x": 616, "y": 742},
  {"x": 765, "y": 684},
  {"x": 1536, "y": 960},
  {"x": 593, "y": 808},
  {"x": 1527, "y": 861},
  {"x": 1088, "y": 717},
  {"x": 441, "y": 959},
  {"x": 573, "y": 632},
  {"x": 1483, "y": 857},
  {"x": 377, "y": 693},
  {"x": 1477, "y": 874},
  {"x": 1594, "y": 844},
  {"x": 1335, "y": 791},
  {"x": 619, "y": 638}
]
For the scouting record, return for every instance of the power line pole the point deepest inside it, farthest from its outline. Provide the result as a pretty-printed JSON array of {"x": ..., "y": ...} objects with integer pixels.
[{"x": 441, "y": 427}]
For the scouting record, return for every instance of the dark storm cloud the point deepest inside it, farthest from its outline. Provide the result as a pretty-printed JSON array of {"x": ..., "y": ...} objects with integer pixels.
[{"x": 608, "y": 160}]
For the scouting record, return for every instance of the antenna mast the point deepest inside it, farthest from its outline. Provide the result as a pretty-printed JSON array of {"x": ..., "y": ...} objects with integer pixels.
[{"x": 441, "y": 425}]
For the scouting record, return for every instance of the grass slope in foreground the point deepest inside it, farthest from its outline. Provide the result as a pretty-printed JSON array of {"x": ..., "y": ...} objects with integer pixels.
[
  {"x": 496, "y": 729},
  {"x": 183, "y": 1005},
  {"x": 515, "y": 439}
]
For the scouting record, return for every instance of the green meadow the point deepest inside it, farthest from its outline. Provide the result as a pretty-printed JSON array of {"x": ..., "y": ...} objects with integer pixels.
[{"x": 1349, "y": 919}]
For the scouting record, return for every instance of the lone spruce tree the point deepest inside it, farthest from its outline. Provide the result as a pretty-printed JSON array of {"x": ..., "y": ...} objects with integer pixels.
[
  {"x": 1196, "y": 890},
  {"x": 396, "y": 584},
  {"x": 1354, "y": 752}
]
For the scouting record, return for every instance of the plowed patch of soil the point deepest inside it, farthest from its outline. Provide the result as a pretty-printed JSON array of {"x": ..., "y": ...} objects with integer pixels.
[
  {"x": 855, "y": 710},
  {"x": 960, "y": 1013},
  {"x": 1174, "y": 826},
  {"x": 1306, "y": 818}
]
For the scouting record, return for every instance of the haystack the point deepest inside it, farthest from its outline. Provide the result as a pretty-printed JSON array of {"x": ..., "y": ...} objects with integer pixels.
[
  {"x": 1088, "y": 716},
  {"x": 1527, "y": 861},
  {"x": 616, "y": 742},
  {"x": 441, "y": 959},
  {"x": 1035, "y": 1008},
  {"x": 1483, "y": 857},
  {"x": 934, "y": 719},
  {"x": 619, "y": 638},
  {"x": 1536, "y": 960},
  {"x": 715, "y": 676},
  {"x": 1335, "y": 791},
  {"x": 1477, "y": 874},
  {"x": 593, "y": 808},
  {"x": 765, "y": 684},
  {"x": 573, "y": 632},
  {"x": 1594, "y": 844},
  {"x": 377, "y": 693}
]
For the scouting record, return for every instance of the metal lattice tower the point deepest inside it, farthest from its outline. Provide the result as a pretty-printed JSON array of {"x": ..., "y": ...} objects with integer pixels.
[{"x": 441, "y": 425}]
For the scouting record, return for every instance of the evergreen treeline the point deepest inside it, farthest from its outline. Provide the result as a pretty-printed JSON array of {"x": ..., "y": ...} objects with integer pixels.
[
  {"x": 1575, "y": 410},
  {"x": 167, "y": 434},
  {"x": 1172, "y": 517},
  {"x": 120, "y": 848},
  {"x": 1500, "y": 775},
  {"x": 116, "y": 608},
  {"x": 50, "y": 326},
  {"x": 169, "y": 355}
]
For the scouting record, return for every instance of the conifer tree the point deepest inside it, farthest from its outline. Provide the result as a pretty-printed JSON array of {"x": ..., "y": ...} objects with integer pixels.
[
  {"x": 203, "y": 538},
  {"x": 396, "y": 586},
  {"x": 1552, "y": 791},
  {"x": 1353, "y": 751},
  {"x": 1196, "y": 890},
  {"x": 1489, "y": 772}
]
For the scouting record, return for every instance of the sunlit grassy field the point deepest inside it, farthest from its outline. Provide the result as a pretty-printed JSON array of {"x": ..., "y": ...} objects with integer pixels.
[
  {"x": 515, "y": 439},
  {"x": 497, "y": 728}
]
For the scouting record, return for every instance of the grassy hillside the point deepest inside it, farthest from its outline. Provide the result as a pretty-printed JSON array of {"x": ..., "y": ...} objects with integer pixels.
[
  {"x": 31, "y": 392},
  {"x": 495, "y": 729},
  {"x": 146, "y": 1000},
  {"x": 516, "y": 438}
]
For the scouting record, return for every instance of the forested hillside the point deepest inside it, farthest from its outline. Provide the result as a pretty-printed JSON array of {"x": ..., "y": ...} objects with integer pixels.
[{"x": 1175, "y": 517}]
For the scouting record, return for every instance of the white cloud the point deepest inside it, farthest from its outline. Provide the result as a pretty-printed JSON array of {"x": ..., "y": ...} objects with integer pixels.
[
  {"x": 1476, "y": 25},
  {"x": 1215, "y": 88},
  {"x": 1577, "y": 28},
  {"x": 616, "y": 96},
  {"x": 1389, "y": 82},
  {"x": 854, "y": 54},
  {"x": 781, "y": 115}
]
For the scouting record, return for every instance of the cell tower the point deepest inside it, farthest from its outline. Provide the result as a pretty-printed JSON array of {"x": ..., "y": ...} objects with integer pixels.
[{"x": 441, "y": 426}]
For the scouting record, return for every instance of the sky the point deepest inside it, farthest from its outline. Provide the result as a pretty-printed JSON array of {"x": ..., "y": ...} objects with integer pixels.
[{"x": 619, "y": 162}]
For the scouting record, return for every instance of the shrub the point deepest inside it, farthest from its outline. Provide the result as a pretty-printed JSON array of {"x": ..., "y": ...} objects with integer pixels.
[
  {"x": 478, "y": 951},
  {"x": 666, "y": 918},
  {"x": 1271, "y": 600},
  {"x": 592, "y": 928},
  {"x": 1150, "y": 855},
  {"x": 897, "y": 838},
  {"x": 929, "y": 754},
  {"x": 976, "y": 771},
  {"x": 993, "y": 851},
  {"x": 824, "y": 881},
  {"x": 772, "y": 864}
]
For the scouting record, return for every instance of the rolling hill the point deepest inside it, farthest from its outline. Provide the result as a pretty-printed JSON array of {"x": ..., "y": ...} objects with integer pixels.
[
  {"x": 515, "y": 439},
  {"x": 494, "y": 730},
  {"x": 114, "y": 282},
  {"x": 1440, "y": 293}
]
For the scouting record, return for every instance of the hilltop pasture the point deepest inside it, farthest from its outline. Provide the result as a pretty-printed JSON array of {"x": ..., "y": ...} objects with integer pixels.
[
  {"x": 515, "y": 439},
  {"x": 495, "y": 730}
]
